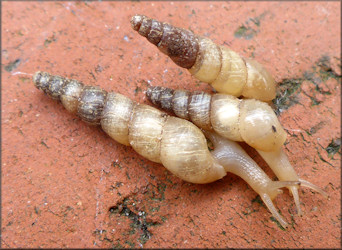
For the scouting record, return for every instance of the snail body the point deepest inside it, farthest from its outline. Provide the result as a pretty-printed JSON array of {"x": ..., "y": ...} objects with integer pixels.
[
  {"x": 248, "y": 120},
  {"x": 176, "y": 143},
  {"x": 219, "y": 66}
]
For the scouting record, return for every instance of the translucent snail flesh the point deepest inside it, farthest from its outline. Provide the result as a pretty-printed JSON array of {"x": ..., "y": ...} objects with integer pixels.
[
  {"x": 176, "y": 143},
  {"x": 248, "y": 120},
  {"x": 224, "y": 69}
]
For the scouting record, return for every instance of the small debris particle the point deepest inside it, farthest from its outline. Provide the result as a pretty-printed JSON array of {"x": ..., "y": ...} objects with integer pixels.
[
  {"x": 245, "y": 32},
  {"x": 98, "y": 69},
  {"x": 50, "y": 40},
  {"x": 333, "y": 147},
  {"x": 126, "y": 38},
  {"x": 44, "y": 144},
  {"x": 12, "y": 65},
  {"x": 287, "y": 94}
]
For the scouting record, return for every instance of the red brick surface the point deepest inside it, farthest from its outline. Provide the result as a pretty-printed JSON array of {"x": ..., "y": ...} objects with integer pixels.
[{"x": 65, "y": 184}]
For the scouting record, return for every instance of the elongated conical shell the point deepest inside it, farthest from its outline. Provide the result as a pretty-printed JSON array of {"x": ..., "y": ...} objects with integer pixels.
[
  {"x": 228, "y": 72},
  {"x": 248, "y": 120},
  {"x": 176, "y": 143}
]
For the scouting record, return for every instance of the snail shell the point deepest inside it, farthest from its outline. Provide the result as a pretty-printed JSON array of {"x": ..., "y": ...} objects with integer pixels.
[
  {"x": 151, "y": 133},
  {"x": 246, "y": 120},
  {"x": 219, "y": 66}
]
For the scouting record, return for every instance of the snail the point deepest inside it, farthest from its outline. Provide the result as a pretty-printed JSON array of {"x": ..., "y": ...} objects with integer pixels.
[
  {"x": 248, "y": 120},
  {"x": 219, "y": 66},
  {"x": 176, "y": 143}
]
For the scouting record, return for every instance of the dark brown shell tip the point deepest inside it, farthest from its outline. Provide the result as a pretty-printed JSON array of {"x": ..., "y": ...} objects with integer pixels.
[{"x": 136, "y": 21}]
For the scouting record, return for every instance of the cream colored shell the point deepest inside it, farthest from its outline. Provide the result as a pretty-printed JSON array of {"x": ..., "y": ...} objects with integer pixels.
[
  {"x": 231, "y": 74},
  {"x": 184, "y": 152}
]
